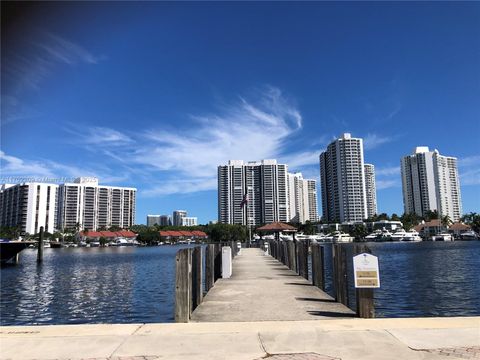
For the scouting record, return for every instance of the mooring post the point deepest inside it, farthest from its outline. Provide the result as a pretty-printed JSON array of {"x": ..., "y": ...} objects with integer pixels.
[
  {"x": 183, "y": 278},
  {"x": 302, "y": 259},
  {"x": 318, "y": 275},
  {"x": 217, "y": 262},
  {"x": 364, "y": 297},
  {"x": 197, "y": 292},
  {"x": 40, "y": 246},
  {"x": 340, "y": 273},
  {"x": 209, "y": 266}
]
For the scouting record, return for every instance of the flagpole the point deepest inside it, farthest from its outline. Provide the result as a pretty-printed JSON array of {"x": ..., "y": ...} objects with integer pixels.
[{"x": 249, "y": 220}]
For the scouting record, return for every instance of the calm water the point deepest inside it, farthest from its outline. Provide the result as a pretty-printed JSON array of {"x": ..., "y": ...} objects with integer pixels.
[{"x": 132, "y": 285}]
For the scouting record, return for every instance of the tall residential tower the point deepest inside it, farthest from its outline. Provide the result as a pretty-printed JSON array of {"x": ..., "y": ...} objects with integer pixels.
[
  {"x": 370, "y": 190},
  {"x": 263, "y": 186},
  {"x": 342, "y": 176},
  {"x": 430, "y": 182}
]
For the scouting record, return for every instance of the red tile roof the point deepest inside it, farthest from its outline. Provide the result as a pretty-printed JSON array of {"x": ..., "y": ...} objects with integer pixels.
[
  {"x": 108, "y": 234},
  {"x": 199, "y": 233},
  {"x": 126, "y": 233},
  {"x": 460, "y": 226},
  {"x": 277, "y": 226}
]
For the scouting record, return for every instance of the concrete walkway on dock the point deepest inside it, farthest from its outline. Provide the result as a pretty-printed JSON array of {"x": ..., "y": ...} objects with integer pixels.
[
  {"x": 263, "y": 289},
  {"x": 345, "y": 339}
]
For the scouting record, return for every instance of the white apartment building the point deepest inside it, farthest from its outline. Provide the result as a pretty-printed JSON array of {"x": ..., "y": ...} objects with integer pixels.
[
  {"x": 88, "y": 205},
  {"x": 302, "y": 197},
  {"x": 342, "y": 177},
  {"x": 29, "y": 206},
  {"x": 370, "y": 190},
  {"x": 153, "y": 220},
  {"x": 178, "y": 215},
  {"x": 430, "y": 182},
  {"x": 82, "y": 204},
  {"x": 189, "y": 221},
  {"x": 265, "y": 185}
]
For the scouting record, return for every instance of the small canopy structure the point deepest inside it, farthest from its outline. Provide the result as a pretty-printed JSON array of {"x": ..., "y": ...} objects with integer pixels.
[{"x": 277, "y": 228}]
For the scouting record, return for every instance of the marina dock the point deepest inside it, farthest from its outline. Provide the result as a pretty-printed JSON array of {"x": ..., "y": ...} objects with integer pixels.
[{"x": 263, "y": 289}]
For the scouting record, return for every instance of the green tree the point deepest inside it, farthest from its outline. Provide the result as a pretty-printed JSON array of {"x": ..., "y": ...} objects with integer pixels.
[
  {"x": 431, "y": 215},
  {"x": 472, "y": 219},
  {"x": 102, "y": 240},
  {"x": 359, "y": 231},
  {"x": 114, "y": 228},
  {"x": 410, "y": 220}
]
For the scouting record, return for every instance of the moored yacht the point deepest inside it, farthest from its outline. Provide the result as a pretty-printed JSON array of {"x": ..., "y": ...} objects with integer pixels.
[
  {"x": 442, "y": 237},
  {"x": 340, "y": 237},
  {"x": 412, "y": 235}
]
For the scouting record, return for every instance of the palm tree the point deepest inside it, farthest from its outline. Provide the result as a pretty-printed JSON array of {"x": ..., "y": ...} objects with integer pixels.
[{"x": 446, "y": 221}]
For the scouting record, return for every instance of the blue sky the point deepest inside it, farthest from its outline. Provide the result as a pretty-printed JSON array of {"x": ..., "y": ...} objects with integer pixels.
[{"x": 156, "y": 95}]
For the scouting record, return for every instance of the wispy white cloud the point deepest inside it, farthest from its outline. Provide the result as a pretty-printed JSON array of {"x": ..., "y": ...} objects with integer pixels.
[
  {"x": 388, "y": 171},
  {"x": 386, "y": 184},
  {"x": 15, "y": 169},
  {"x": 301, "y": 159},
  {"x": 102, "y": 136},
  {"x": 372, "y": 141},
  {"x": 25, "y": 68},
  {"x": 469, "y": 168},
  {"x": 65, "y": 51},
  {"x": 246, "y": 129}
]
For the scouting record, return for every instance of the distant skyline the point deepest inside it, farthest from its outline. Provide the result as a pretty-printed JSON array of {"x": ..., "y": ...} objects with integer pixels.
[{"x": 156, "y": 95}]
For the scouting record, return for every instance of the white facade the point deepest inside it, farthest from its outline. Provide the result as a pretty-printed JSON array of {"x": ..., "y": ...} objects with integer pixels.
[
  {"x": 370, "y": 190},
  {"x": 342, "y": 177},
  {"x": 265, "y": 184},
  {"x": 80, "y": 205},
  {"x": 189, "y": 221},
  {"x": 86, "y": 205},
  {"x": 153, "y": 220},
  {"x": 302, "y": 198},
  {"x": 430, "y": 182},
  {"x": 177, "y": 217},
  {"x": 29, "y": 206}
]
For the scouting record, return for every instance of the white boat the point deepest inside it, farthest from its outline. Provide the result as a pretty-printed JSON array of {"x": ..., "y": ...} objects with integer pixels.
[
  {"x": 469, "y": 235},
  {"x": 377, "y": 234},
  {"x": 399, "y": 235},
  {"x": 442, "y": 237},
  {"x": 412, "y": 235},
  {"x": 340, "y": 237},
  {"x": 123, "y": 242}
]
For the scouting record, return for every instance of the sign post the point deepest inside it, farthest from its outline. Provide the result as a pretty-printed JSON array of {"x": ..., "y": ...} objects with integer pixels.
[
  {"x": 367, "y": 278},
  {"x": 366, "y": 273}
]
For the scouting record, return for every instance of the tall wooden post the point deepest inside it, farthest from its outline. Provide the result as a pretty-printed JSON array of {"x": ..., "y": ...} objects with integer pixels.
[
  {"x": 183, "y": 276},
  {"x": 318, "y": 275},
  {"x": 364, "y": 297},
  {"x": 197, "y": 291},
  {"x": 302, "y": 258},
  {"x": 40, "y": 246},
  {"x": 218, "y": 262},
  {"x": 209, "y": 266},
  {"x": 340, "y": 273}
]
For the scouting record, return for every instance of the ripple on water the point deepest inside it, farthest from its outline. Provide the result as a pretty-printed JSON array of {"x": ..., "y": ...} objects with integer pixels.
[{"x": 128, "y": 285}]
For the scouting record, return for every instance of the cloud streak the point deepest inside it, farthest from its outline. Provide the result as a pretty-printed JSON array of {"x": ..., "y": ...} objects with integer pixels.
[{"x": 372, "y": 141}]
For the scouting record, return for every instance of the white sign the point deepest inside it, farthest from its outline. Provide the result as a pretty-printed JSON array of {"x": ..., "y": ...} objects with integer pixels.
[{"x": 365, "y": 269}]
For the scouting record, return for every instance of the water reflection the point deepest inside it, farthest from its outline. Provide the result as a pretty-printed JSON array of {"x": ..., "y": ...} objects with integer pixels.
[{"x": 129, "y": 285}]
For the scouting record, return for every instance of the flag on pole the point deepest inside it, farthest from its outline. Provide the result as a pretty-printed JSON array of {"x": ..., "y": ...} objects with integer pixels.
[{"x": 244, "y": 201}]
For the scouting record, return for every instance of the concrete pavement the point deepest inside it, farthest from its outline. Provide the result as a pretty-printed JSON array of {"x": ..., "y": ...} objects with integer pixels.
[
  {"x": 346, "y": 339},
  {"x": 263, "y": 289}
]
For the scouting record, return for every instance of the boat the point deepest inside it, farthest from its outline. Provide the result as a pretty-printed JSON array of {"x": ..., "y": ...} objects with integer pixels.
[
  {"x": 379, "y": 235},
  {"x": 412, "y": 235},
  {"x": 469, "y": 235},
  {"x": 442, "y": 237},
  {"x": 9, "y": 249},
  {"x": 340, "y": 237},
  {"x": 122, "y": 242},
  {"x": 399, "y": 235}
]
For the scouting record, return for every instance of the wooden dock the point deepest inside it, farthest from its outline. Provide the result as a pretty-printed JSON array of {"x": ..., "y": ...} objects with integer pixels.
[{"x": 263, "y": 289}]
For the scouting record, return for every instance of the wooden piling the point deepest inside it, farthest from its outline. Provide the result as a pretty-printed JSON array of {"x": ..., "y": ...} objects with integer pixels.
[
  {"x": 183, "y": 278},
  {"x": 302, "y": 258},
  {"x": 197, "y": 288},
  {"x": 292, "y": 256},
  {"x": 40, "y": 246},
  {"x": 364, "y": 297},
  {"x": 318, "y": 275},
  {"x": 209, "y": 266},
  {"x": 218, "y": 262},
  {"x": 340, "y": 273}
]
